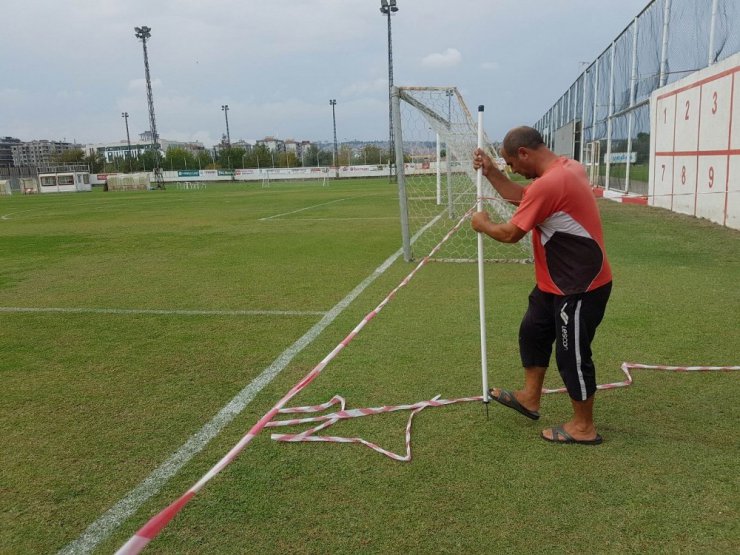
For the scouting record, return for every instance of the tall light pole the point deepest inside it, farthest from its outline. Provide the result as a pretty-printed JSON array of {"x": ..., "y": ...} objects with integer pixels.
[
  {"x": 388, "y": 7},
  {"x": 124, "y": 115},
  {"x": 333, "y": 104},
  {"x": 144, "y": 33},
  {"x": 225, "y": 110}
]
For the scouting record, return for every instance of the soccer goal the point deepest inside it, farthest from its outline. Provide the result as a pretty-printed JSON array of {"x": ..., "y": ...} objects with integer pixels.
[
  {"x": 294, "y": 175},
  {"x": 435, "y": 136},
  {"x": 128, "y": 182}
]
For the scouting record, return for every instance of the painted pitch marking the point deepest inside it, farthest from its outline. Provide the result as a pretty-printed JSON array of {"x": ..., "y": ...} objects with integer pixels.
[
  {"x": 10, "y": 309},
  {"x": 150, "y": 486},
  {"x": 302, "y": 209}
]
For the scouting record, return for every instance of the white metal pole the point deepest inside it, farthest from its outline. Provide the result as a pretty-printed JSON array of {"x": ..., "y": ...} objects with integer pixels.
[
  {"x": 664, "y": 43},
  {"x": 439, "y": 172},
  {"x": 400, "y": 172},
  {"x": 594, "y": 175},
  {"x": 610, "y": 117},
  {"x": 583, "y": 115},
  {"x": 633, "y": 92},
  {"x": 481, "y": 288},
  {"x": 712, "y": 26},
  {"x": 448, "y": 166}
]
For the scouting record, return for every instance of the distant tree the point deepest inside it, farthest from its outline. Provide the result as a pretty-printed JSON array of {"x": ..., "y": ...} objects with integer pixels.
[
  {"x": 641, "y": 146},
  {"x": 146, "y": 161},
  {"x": 179, "y": 159},
  {"x": 325, "y": 157},
  {"x": 345, "y": 155},
  {"x": 71, "y": 156},
  {"x": 311, "y": 156},
  {"x": 371, "y": 154},
  {"x": 95, "y": 161},
  {"x": 286, "y": 160},
  {"x": 230, "y": 157},
  {"x": 262, "y": 156}
]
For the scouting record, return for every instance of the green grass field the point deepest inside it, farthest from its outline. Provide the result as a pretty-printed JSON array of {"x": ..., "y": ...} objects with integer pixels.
[{"x": 151, "y": 345}]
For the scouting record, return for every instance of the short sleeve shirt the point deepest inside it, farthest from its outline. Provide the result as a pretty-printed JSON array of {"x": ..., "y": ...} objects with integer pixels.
[{"x": 560, "y": 210}]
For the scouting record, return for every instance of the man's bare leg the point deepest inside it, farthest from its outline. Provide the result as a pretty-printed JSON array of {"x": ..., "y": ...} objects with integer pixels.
[
  {"x": 529, "y": 396},
  {"x": 581, "y": 426}
]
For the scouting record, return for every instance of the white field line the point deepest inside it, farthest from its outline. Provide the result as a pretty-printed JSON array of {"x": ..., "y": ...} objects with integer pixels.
[
  {"x": 302, "y": 209},
  {"x": 109, "y": 521},
  {"x": 163, "y": 312},
  {"x": 9, "y": 214}
]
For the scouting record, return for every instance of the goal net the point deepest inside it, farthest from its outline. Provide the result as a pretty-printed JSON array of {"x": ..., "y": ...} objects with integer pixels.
[
  {"x": 436, "y": 135},
  {"x": 128, "y": 182}
]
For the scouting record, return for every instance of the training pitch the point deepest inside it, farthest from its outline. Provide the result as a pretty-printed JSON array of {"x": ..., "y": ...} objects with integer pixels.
[{"x": 143, "y": 333}]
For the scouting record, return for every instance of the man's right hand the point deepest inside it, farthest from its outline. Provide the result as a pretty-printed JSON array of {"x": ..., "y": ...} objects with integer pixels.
[{"x": 481, "y": 160}]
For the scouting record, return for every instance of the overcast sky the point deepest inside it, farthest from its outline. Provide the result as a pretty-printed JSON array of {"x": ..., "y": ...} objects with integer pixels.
[{"x": 68, "y": 68}]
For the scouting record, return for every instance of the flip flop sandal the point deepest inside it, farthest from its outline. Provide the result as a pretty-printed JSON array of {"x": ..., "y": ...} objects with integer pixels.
[{"x": 507, "y": 399}]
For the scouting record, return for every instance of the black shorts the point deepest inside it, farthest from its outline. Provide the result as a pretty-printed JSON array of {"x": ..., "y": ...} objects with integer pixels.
[{"x": 570, "y": 322}]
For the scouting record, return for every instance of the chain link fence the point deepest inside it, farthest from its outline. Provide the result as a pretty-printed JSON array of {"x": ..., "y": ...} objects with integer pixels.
[{"x": 608, "y": 105}]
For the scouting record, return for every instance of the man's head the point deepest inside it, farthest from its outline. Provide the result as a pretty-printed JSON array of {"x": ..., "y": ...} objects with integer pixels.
[{"x": 520, "y": 149}]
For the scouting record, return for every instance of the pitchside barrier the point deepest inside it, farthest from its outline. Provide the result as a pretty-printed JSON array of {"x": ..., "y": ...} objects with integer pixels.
[
  {"x": 261, "y": 175},
  {"x": 695, "y": 144}
]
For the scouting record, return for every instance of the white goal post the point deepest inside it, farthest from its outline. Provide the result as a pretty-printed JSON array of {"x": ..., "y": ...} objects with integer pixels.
[{"x": 437, "y": 190}]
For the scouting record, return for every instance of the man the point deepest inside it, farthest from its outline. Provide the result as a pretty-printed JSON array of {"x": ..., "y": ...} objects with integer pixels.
[{"x": 572, "y": 272}]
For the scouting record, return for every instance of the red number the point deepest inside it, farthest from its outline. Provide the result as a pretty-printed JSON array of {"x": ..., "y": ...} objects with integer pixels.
[
  {"x": 662, "y": 175},
  {"x": 687, "y": 110},
  {"x": 714, "y": 104},
  {"x": 711, "y": 176},
  {"x": 683, "y": 175}
]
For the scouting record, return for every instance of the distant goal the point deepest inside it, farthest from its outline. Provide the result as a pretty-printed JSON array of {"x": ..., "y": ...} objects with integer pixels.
[{"x": 435, "y": 135}]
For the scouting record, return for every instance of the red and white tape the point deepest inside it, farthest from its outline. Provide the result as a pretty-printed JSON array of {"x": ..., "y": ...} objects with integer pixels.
[
  {"x": 344, "y": 414},
  {"x": 154, "y": 526}
]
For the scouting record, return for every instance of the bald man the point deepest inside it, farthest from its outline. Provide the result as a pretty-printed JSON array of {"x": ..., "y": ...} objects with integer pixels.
[{"x": 573, "y": 276}]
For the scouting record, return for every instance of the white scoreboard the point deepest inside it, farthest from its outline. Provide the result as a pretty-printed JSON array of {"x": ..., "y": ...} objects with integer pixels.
[{"x": 695, "y": 144}]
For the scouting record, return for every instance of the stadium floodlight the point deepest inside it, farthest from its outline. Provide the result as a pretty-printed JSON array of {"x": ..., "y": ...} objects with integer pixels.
[
  {"x": 388, "y": 7},
  {"x": 333, "y": 103},
  {"x": 143, "y": 33},
  {"x": 225, "y": 110},
  {"x": 124, "y": 115}
]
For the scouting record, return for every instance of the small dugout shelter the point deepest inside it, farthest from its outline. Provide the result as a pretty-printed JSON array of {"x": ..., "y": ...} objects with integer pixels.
[{"x": 65, "y": 181}]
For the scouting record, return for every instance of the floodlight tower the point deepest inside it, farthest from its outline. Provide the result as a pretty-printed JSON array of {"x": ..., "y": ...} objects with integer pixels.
[
  {"x": 225, "y": 110},
  {"x": 124, "y": 115},
  {"x": 388, "y": 7},
  {"x": 333, "y": 103},
  {"x": 144, "y": 33}
]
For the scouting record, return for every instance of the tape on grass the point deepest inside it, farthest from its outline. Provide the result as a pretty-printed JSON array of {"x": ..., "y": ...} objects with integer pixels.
[
  {"x": 155, "y": 525},
  {"x": 328, "y": 420}
]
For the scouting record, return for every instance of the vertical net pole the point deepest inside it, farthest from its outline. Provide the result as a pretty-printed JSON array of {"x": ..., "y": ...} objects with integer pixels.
[
  {"x": 481, "y": 288},
  {"x": 439, "y": 172},
  {"x": 400, "y": 172},
  {"x": 450, "y": 203}
]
